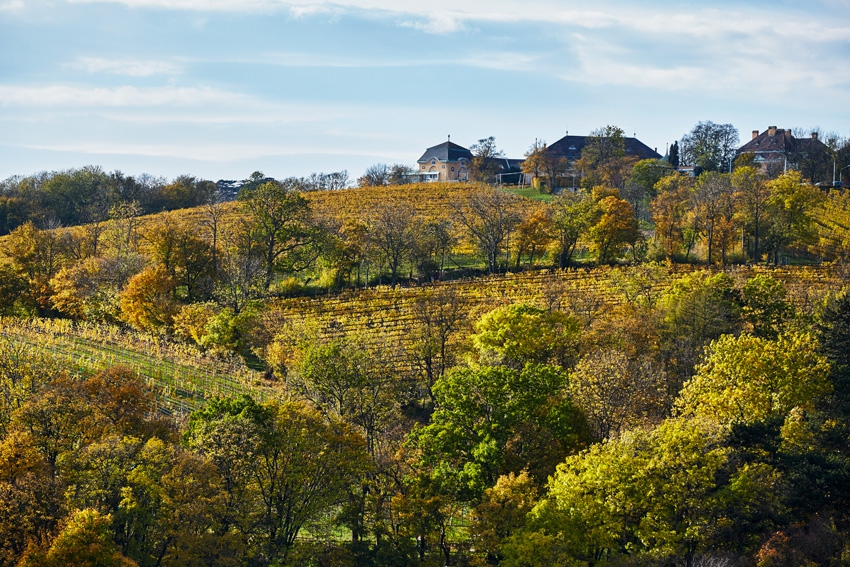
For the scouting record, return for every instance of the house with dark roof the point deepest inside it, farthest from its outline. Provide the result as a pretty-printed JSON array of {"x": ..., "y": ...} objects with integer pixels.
[
  {"x": 445, "y": 162},
  {"x": 777, "y": 150},
  {"x": 570, "y": 147}
]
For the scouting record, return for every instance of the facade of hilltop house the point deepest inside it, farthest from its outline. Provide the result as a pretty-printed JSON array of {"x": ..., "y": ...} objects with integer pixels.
[
  {"x": 451, "y": 162},
  {"x": 776, "y": 150},
  {"x": 444, "y": 162}
]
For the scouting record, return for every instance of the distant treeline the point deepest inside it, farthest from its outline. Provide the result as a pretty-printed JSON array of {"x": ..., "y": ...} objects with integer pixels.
[{"x": 88, "y": 194}]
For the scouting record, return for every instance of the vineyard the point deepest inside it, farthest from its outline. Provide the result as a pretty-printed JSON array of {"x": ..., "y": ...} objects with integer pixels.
[
  {"x": 833, "y": 221},
  {"x": 180, "y": 377},
  {"x": 436, "y": 200},
  {"x": 389, "y": 313}
]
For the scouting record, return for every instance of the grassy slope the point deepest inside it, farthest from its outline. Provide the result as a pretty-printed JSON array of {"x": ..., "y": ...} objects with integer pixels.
[{"x": 180, "y": 377}]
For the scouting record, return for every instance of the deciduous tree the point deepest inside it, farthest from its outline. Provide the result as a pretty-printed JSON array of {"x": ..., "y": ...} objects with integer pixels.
[
  {"x": 470, "y": 440},
  {"x": 616, "y": 228},
  {"x": 790, "y": 207},
  {"x": 617, "y": 393},
  {"x": 520, "y": 333},
  {"x": 573, "y": 215},
  {"x": 710, "y": 146},
  {"x": 490, "y": 217},
  {"x": 147, "y": 300},
  {"x": 278, "y": 213},
  {"x": 485, "y": 160},
  {"x": 748, "y": 379}
]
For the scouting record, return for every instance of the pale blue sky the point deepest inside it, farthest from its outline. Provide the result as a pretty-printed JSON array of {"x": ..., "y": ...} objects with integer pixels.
[{"x": 221, "y": 88}]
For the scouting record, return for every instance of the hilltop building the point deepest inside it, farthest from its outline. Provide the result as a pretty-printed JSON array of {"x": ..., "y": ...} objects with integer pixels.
[
  {"x": 570, "y": 147},
  {"x": 445, "y": 162},
  {"x": 451, "y": 162},
  {"x": 777, "y": 150}
]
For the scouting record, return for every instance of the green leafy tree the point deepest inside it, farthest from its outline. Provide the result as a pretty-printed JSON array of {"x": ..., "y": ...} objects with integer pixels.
[
  {"x": 751, "y": 193},
  {"x": 791, "y": 207},
  {"x": 187, "y": 256},
  {"x": 602, "y": 145},
  {"x": 657, "y": 494},
  {"x": 696, "y": 309},
  {"x": 170, "y": 508},
  {"x": 639, "y": 189},
  {"x": 765, "y": 306},
  {"x": 572, "y": 216},
  {"x": 37, "y": 255},
  {"x": 670, "y": 213},
  {"x": 28, "y": 498},
  {"x": 290, "y": 464},
  {"x": 24, "y": 372},
  {"x": 747, "y": 379},
  {"x": 278, "y": 213},
  {"x": 709, "y": 146},
  {"x": 673, "y": 156},
  {"x": 485, "y": 423},
  {"x": 342, "y": 379},
  {"x": 833, "y": 330},
  {"x": 520, "y": 333},
  {"x": 85, "y": 541}
]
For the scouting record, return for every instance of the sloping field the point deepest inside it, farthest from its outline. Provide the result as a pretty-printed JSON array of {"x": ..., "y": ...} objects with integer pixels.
[
  {"x": 183, "y": 378},
  {"x": 180, "y": 377},
  {"x": 390, "y": 312}
]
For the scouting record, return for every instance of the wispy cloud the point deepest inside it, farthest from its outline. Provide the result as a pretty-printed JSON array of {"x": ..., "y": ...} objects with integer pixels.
[
  {"x": 502, "y": 60},
  {"x": 125, "y": 67},
  {"x": 606, "y": 14},
  {"x": 126, "y": 96},
  {"x": 9, "y": 5},
  {"x": 438, "y": 23},
  {"x": 200, "y": 152},
  {"x": 198, "y": 5}
]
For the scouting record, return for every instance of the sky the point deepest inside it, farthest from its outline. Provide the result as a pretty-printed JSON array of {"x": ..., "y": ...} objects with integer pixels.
[{"x": 219, "y": 89}]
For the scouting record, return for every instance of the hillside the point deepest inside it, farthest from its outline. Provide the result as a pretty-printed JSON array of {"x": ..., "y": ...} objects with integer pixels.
[
  {"x": 391, "y": 313},
  {"x": 180, "y": 377}
]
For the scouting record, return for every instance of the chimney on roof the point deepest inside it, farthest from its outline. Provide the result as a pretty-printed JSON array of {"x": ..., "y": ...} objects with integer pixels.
[
  {"x": 814, "y": 135},
  {"x": 755, "y": 134},
  {"x": 771, "y": 130}
]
